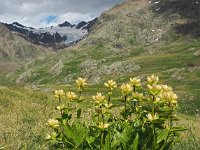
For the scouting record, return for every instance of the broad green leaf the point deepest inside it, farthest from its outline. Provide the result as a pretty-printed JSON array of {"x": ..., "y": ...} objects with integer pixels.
[
  {"x": 76, "y": 132},
  {"x": 162, "y": 135},
  {"x": 135, "y": 144}
]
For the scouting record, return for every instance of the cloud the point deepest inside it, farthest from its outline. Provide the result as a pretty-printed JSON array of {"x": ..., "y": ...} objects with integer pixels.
[{"x": 40, "y": 13}]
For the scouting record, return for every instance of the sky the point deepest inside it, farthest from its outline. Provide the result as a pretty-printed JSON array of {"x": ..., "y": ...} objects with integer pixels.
[{"x": 42, "y": 13}]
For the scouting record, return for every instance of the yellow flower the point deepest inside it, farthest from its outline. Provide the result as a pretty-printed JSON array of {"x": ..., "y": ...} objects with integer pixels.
[
  {"x": 138, "y": 96},
  {"x": 48, "y": 137},
  {"x": 169, "y": 96},
  {"x": 157, "y": 99},
  {"x": 81, "y": 83},
  {"x": 71, "y": 95},
  {"x": 152, "y": 117},
  {"x": 154, "y": 89},
  {"x": 152, "y": 79},
  {"x": 103, "y": 125},
  {"x": 166, "y": 88},
  {"x": 61, "y": 107},
  {"x": 135, "y": 82},
  {"x": 53, "y": 123},
  {"x": 99, "y": 98},
  {"x": 111, "y": 84},
  {"x": 59, "y": 93},
  {"x": 126, "y": 89}
]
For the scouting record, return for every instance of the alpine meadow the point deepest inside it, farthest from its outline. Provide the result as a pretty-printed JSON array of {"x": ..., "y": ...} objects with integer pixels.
[{"x": 125, "y": 78}]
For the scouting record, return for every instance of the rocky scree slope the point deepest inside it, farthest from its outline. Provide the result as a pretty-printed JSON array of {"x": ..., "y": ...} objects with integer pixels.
[{"x": 144, "y": 22}]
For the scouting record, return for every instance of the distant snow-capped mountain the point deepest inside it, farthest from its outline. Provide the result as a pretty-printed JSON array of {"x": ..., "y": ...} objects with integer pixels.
[{"x": 62, "y": 35}]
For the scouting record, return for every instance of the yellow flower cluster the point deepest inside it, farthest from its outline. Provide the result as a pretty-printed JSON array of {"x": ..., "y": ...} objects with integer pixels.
[
  {"x": 81, "y": 83},
  {"x": 135, "y": 82},
  {"x": 126, "y": 89},
  {"x": 53, "y": 123},
  {"x": 170, "y": 97},
  {"x": 71, "y": 96},
  {"x": 166, "y": 88},
  {"x": 59, "y": 93},
  {"x": 155, "y": 89},
  {"x": 99, "y": 98},
  {"x": 137, "y": 95},
  {"x": 111, "y": 84},
  {"x": 164, "y": 93},
  {"x": 61, "y": 107},
  {"x": 103, "y": 125},
  {"x": 151, "y": 117},
  {"x": 152, "y": 79}
]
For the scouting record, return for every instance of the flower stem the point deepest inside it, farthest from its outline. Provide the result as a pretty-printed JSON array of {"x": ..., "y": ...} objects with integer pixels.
[
  {"x": 125, "y": 101},
  {"x": 154, "y": 129},
  {"x": 109, "y": 98},
  {"x": 101, "y": 146}
]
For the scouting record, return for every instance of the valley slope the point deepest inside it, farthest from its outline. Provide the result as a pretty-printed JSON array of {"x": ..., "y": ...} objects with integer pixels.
[{"x": 15, "y": 51}]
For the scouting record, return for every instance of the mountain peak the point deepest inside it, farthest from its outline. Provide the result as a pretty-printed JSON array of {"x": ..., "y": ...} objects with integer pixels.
[
  {"x": 81, "y": 24},
  {"x": 66, "y": 24},
  {"x": 18, "y": 24}
]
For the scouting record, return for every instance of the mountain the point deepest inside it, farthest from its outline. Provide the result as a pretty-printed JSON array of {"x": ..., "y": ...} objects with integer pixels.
[
  {"x": 60, "y": 36},
  {"x": 133, "y": 39},
  {"x": 146, "y": 22},
  {"x": 15, "y": 51}
]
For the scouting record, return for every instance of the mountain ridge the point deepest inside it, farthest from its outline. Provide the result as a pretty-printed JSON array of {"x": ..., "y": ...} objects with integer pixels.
[
  {"x": 57, "y": 37},
  {"x": 15, "y": 51}
]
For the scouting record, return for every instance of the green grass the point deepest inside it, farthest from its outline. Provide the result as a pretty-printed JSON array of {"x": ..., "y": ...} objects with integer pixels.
[
  {"x": 23, "y": 116},
  {"x": 24, "y": 112}
]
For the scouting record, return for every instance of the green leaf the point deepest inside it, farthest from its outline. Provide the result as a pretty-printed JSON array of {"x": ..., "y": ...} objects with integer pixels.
[
  {"x": 135, "y": 144},
  {"x": 66, "y": 116},
  {"x": 174, "y": 129},
  {"x": 162, "y": 135},
  {"x": 108, "y": 142},
  {"x": 76, "y": 132}
]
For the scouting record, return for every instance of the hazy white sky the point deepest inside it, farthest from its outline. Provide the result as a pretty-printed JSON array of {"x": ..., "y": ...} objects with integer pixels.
[{"x": 40, "y": 13}]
